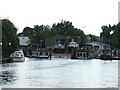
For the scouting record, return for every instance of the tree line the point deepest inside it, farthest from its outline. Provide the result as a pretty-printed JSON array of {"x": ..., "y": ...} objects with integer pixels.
[
  {"x": 42, "y": 32},
  {"x": 10, "y": 42}
]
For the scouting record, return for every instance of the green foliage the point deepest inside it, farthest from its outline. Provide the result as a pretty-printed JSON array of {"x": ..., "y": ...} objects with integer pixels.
[
  {"x": 52, "y": 40},
  {"x": 106, "y": 34},
  {"x": 67, "y": 29},
  {"x": 116, "y": 36},
  {"x": 76, "y": 32},
  {"x": 27, "y": 31},
  {"x": 43, "y": 32},
  {"x": 9, "y": 38},
  {"x": 62, "y": 27},
  {"x": 111, "y": 38}
]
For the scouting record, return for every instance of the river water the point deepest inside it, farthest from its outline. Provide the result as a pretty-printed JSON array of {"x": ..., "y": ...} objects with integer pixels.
[{"x": 59, "y": 73}]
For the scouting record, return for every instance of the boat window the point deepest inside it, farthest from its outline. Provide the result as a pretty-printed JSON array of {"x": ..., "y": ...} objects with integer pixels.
[
  {"x": 40, "y": 53},
  {"x": 78, "y": 55},
  {"x": 81, "y": 54},
  {"x": 37, "y": 53},
  {"x": 46, "y": 53},
  {"x": 18, "y": 52},
  {"x": 84, "y": 55}
]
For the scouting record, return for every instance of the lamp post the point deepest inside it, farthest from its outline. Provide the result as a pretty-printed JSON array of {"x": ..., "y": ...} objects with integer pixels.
[
  {"x": 9, "y": 47},
  {"x": 110, "y": 42},
  {"x": 110, "y": 36}
]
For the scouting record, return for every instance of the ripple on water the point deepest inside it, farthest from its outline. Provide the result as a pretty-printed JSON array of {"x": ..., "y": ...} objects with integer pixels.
[{"x": 60, "y": 73}]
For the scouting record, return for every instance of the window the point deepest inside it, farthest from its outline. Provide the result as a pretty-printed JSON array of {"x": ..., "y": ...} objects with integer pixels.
[
  {"x": 84, "y": 54},
  {"x": 78, "y": 55}
]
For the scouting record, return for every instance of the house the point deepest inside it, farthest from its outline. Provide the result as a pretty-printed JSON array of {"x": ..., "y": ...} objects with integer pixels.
[
  {"x": 24, "y": 42},
  {"x": 92, "y": 38}
]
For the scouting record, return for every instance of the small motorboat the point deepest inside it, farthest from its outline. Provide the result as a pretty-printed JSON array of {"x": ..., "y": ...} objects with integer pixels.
[{"x": 17, "y": 56}]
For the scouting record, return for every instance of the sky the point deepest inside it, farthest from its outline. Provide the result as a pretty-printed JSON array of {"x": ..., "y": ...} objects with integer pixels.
[{"x": 87, "y": 15}]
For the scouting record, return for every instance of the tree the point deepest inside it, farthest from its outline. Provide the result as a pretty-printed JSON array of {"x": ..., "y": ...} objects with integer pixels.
[
  {"x": 62, "y": 27},
  {"x": 76, "y": 32},
  {"x": 40, "y": 33},
  {"x": 106, "y": 34},
  {"x": 10, "y": 40},
  {"x": 27, "y": 31},
  {"x": 67, "y": 29},
  {"x": 111, "y": 38},
  {"x": 116, "y": 36}
]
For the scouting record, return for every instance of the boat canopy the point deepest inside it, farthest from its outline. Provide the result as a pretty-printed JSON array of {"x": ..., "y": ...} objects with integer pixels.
[{"x": 98, "y": 43}]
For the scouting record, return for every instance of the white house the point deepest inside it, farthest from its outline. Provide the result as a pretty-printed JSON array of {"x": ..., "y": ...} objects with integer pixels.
[{"x": 24, "y": 41}]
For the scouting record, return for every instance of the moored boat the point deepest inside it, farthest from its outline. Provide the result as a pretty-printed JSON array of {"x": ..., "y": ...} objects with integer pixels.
[
  {"x": 17, "y": 56},
  {"x": 59, "y": 47}
]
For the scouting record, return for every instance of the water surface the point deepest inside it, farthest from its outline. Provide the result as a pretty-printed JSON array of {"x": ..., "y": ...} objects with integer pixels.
[{"x": 60, "y": 73}]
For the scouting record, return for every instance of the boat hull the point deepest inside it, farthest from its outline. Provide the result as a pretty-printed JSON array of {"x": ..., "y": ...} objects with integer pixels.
[
  {"x": 59, "y": 50},
  {"x": 80, "y": 54},
  {"x": 17, "y": 59}
]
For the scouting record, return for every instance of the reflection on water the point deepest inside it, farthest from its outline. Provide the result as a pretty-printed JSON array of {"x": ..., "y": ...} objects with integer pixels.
[
  {"x": 6, "y": 76},
  {"x": 60, "y": 73}
]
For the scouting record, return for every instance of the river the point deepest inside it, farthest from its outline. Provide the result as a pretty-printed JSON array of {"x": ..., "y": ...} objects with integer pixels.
[{"x": 59, "y": 73}]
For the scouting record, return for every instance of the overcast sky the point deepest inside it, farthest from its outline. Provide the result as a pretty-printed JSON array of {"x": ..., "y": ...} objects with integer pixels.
[{"x": 88, "y": 15}]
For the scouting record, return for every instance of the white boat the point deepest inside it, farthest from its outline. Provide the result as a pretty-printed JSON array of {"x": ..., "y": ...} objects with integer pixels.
[
  {"x": 73, "y": 45},
  {"x": 17, "y": 56}
]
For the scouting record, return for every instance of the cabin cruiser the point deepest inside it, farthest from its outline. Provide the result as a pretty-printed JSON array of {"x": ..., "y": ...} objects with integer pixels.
[
  {"x": 59, "y": 47},
  {"x": 73, "y": 41},
  {"x": 17, "y": 56},
  {"x": 73, "y": 45}
]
